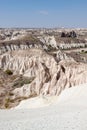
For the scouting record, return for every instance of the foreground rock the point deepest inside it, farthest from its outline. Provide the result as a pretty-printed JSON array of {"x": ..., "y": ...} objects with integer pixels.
[
  {"x": 75, "y": 96},
  {"x": 70, "y": 113}
]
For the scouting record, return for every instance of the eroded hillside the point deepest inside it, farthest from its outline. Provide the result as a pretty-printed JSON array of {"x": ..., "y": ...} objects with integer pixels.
[{"x": 33, "y": 66}]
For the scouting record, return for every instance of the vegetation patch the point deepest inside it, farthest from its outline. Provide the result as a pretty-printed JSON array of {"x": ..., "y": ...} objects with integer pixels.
[
  {"x": 83, "y": 51},
  {"x": 9, "y": 72},
  {"x": 21, "y": 81},
  {"x": 7, "y": 101}
]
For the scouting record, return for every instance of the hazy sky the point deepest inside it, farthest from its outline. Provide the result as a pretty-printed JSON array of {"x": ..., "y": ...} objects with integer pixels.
[{"x": 43, "y": 13}]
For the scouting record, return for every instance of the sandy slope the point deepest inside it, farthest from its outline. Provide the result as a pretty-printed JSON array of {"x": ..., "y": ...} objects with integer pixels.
[{"x": 69, "y": 113}]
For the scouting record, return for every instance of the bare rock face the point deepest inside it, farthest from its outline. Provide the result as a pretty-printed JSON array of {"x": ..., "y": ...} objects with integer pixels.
[
  {"x": 53, "y": 83},
  {"x": 50, "y": 76},
  {"x": 49, "y": 41},
  {"x": 26, "y": 61},
  {"x": 23, "y": 43},
  {"x": 60, "y": 55}
]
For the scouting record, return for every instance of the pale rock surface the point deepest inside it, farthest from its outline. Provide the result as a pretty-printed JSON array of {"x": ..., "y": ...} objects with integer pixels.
[
  {"x": 76, "y": 95},
  {"x": 72, "y": 45},
  {"x": 69, "y": 113},
  {"x": 50, "y": 77},
  {"x": 49, "y": 40},
  {"x": 60, "y": 55},
  {"x": 55, "y": 43},
  {"x": 6, "y": 47}
]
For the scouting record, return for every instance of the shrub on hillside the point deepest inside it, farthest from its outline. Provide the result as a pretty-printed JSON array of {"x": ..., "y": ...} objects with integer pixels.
[{"x": 9, "y": 72}]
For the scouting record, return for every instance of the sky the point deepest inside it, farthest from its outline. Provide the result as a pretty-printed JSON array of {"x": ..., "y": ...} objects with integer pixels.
[{"x": 43, "y": 13}]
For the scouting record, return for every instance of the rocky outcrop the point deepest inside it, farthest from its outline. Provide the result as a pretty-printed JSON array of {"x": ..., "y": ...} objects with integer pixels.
[
  {"x": 45, "y": 42},
  {"x": 53, "y": 84},
  {"x": 49, "y": 41},
  {"x": 71, "y": 34},
  {"x": 50, "y": 76},
  {"x": 66, "y": 46},
  {"x": 60, "y": 55},
  {"x": 37, "y": 65},
  {"x": 67, "y": 42},
  {"x": 11, "y": 34},
  {"x": 23, "y": 43}
]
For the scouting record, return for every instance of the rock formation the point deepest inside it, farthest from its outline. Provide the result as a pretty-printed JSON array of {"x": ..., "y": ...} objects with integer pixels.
[
  {"x": 50, "y": 76},
  {"x": 38, "y": 68},
  {"x": 71, "y": 34}
]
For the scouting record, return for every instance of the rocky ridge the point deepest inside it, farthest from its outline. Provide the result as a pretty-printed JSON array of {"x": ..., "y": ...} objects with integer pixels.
[
  {"x": 45, "y": 69},
  {"x": 50, "y": 76}
]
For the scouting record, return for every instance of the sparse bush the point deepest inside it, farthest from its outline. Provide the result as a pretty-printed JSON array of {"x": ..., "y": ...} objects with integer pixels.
[
  {"x": 9, "y": 72},
  {"x": 22, "y": 80},
  {"x": 7, "y": 101},
  {"x": 11, "y": 94},
  {"x": 51, "y": 48},
  {"x": 83, "y": 51},
  {"x": 63, "y": 34}
]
